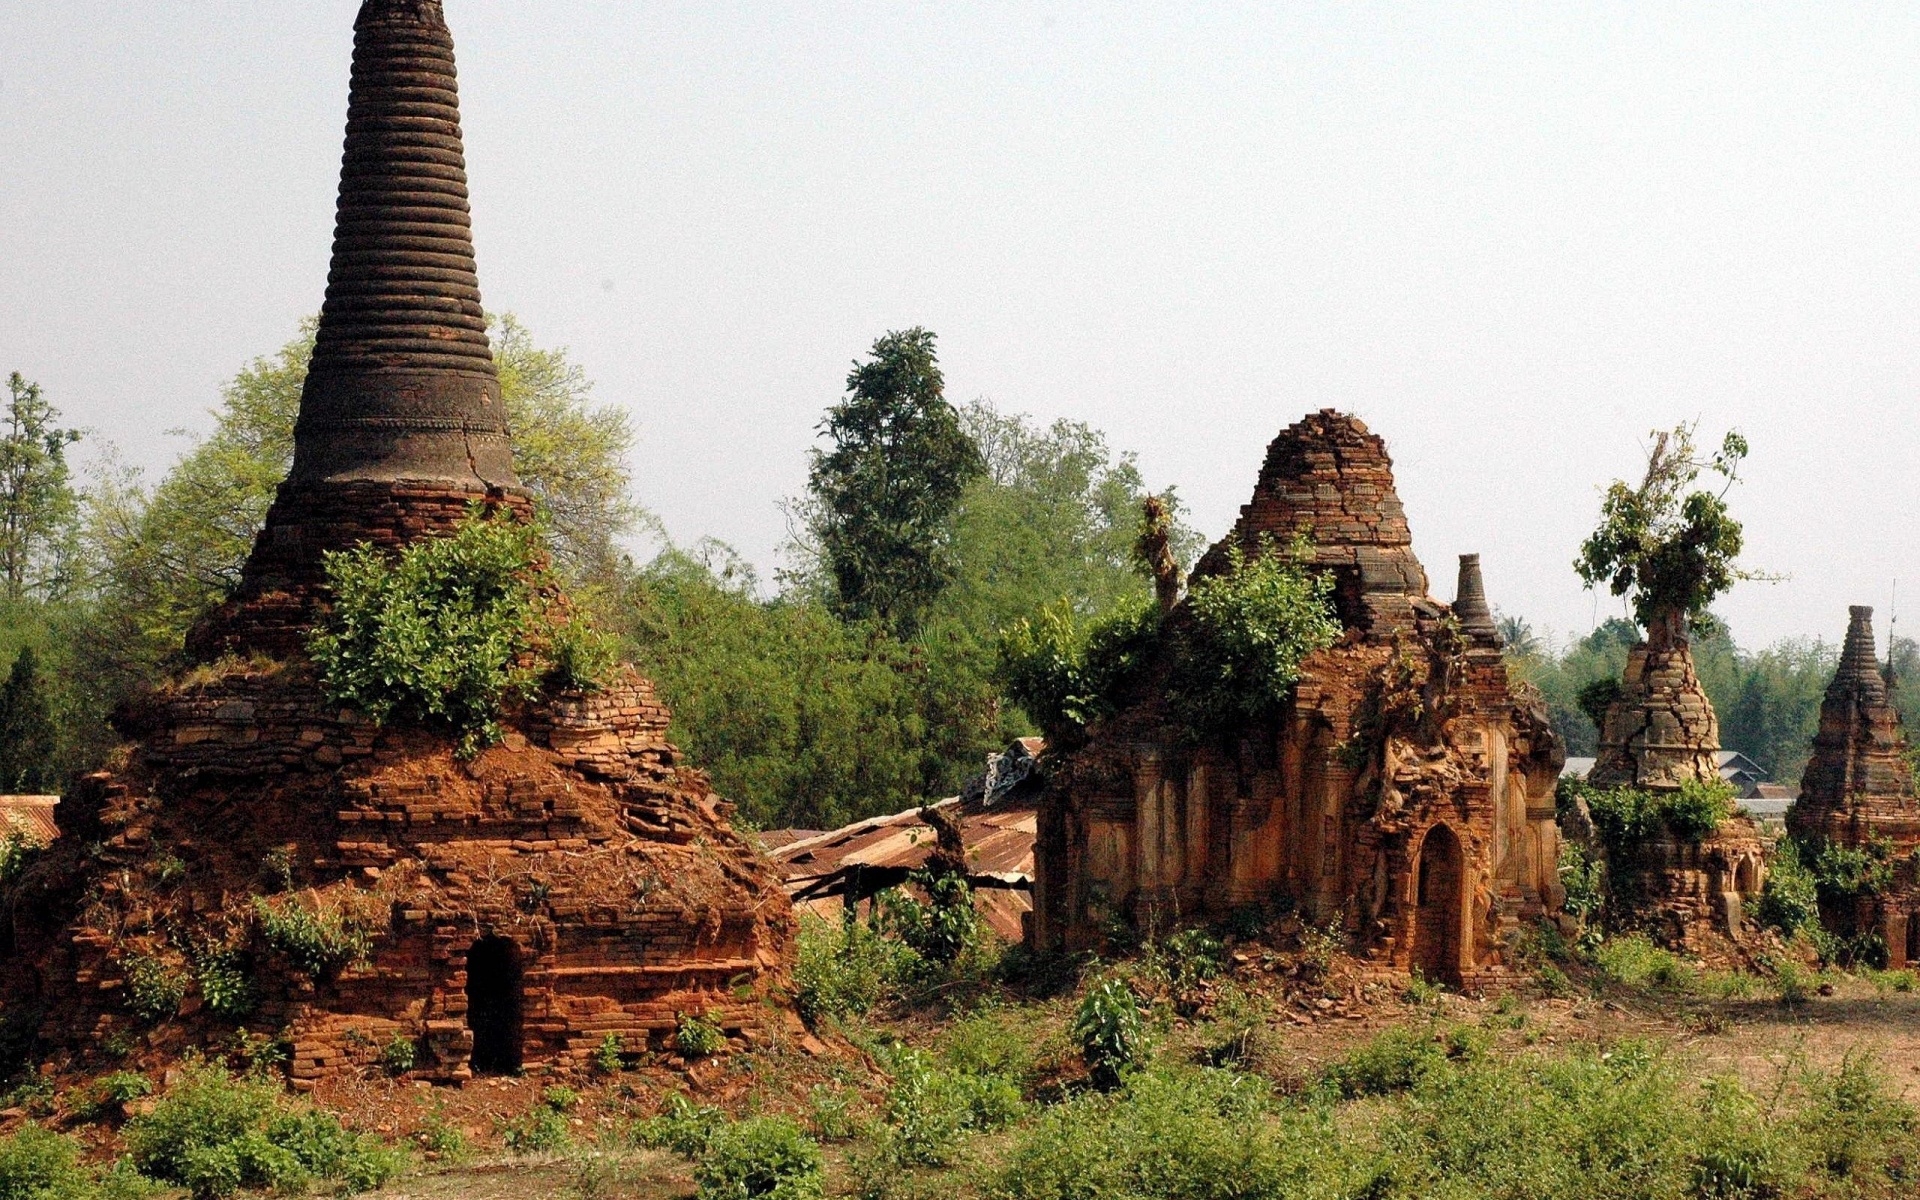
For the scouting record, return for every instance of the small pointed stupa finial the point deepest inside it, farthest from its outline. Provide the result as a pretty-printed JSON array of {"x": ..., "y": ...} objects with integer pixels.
[
  {"x": 1859, "y": 671},
  {"x": 1470, "y": 601},
  {"x": 402, "y": 385}
]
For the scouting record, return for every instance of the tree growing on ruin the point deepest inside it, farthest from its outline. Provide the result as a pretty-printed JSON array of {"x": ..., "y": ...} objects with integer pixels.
[
  {"x": 883, "y": 493},
  {"x": 38, "y": 505},
  {"x": 1667, "y": 547}
]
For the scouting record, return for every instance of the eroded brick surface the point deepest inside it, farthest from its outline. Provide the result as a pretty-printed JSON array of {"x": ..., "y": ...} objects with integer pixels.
[{"x": 1406, "y": 795}]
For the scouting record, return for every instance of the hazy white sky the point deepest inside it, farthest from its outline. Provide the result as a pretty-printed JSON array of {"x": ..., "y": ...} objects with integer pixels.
[{"x": 1512, "y": 237}]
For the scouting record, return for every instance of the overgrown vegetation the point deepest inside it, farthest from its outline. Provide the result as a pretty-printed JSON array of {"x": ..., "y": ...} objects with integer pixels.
[
  {"x": 450, "y": 629},
  {"x": 319, "y": 939},
  {"x": 215, "y": 1134}
]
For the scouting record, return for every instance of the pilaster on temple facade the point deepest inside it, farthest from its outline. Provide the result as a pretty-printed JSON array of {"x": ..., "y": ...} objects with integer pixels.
[
  {"x": 575, "y": 883},
  {"x": 1406, "y": 794},
  {"x": 1858, "y": 791}
]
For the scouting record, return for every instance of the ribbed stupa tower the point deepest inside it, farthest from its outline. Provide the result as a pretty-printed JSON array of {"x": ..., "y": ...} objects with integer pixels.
[
  {"x": 401, "y": 427},
  {"x": 1858, "y": 791},
  {"x": 518, "y": 907}
]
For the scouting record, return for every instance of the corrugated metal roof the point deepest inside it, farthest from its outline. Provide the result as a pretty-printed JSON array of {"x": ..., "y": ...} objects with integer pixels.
[
  {"x": 31, "y": 817},
  {"x": 999, "y": 844}
]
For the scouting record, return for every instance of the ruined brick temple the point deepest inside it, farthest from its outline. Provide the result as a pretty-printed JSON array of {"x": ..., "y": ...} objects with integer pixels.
[
  {"x": 1858, "y": 791},
  {"x": 574, "y": 883},
  {"x": 1659, "y": 733},
  {"x": 1408, "y": 793}
]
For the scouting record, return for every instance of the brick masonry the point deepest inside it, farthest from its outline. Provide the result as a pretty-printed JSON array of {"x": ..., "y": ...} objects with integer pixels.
[{"x": 1407, "y": 794}]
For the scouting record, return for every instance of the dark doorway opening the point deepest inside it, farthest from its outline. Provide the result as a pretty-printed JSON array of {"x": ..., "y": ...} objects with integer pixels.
[
  {"x": 493, "y": 1005},
  {"x": 1436, "y": 944}
]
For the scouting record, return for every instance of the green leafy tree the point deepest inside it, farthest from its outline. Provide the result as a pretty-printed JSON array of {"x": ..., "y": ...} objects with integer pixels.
[
  {"x": 38, "y": 505},
  {"x": 882, "y": 496},
  {"x": 27, "y": 742},
  {"x": 1668, "y": 550}
]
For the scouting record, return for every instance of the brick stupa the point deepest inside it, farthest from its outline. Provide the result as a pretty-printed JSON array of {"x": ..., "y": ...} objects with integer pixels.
[
  {"x": 1407, "y": 792},
  {"x": 1858, "y": 791},
  {"x": 574, "y": 884},
  {"x": 1660, "y": 733}
]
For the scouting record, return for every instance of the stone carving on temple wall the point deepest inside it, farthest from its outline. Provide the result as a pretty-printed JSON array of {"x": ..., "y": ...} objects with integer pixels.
[
  {"x": 1406, "y": 794},
  {"x": 574, "y": 883}
]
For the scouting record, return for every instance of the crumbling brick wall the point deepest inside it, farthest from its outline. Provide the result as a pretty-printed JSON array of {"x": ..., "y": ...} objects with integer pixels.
[{"x": 1407, "y": 794}]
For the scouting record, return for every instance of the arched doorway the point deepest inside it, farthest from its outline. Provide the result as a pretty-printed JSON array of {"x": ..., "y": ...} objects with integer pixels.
[
  {"x": 1438, "y": 888},
  {"x": 493, "y": 1005}
]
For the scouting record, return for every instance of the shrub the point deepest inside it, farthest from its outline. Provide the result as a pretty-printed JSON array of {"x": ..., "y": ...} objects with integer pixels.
[
  {"x": 846, "y": 970},
  {"x": 681, "y": 1126},
  {"x": 698, "y": 1037},
  {"x": 943, "y": 928},
  {"x": 398, "y": 1055},
  {"x": 606, "y": 1056},
  {"x": 1636, "y": 962},
  {"x": 224, "y": 983},
  {"x": 156, "y": 986},
  {"x": 1248, "y": 629},
  {"x": 1584, "y": 879},
  {"x": 16, "y": 854},
  {"x": 318, "y": 940},
  {"x": 1192, "y": 955},
  {"x": 760, "y": 1157},
  {"x": 540, "y": 1129},
  {"x": 1392, "y": 1061},
  {"x": 1789, "y": 900},
  {"x": 1626, "y": 817},
  {"x": 929, "y": 1108},
  {"x": 1066, "y": 676},
  {"x": 441, "y": 1137},
  {"x": 37, "y": 1165},
  {"x": 214, "y": 1134},
  {"x": 1110, "y": 1029},
  {"x": 1842, "y": 872},
  {"x": 449, "y": 630}
]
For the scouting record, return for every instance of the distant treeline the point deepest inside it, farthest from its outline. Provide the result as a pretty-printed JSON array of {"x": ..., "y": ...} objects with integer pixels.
[{"x": 1768, "y": 700}]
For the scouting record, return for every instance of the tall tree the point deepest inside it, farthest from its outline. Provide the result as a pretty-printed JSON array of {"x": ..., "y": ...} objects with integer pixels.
[
  {"x": 26, "y": 729},
  {"x": 883, "y": 495},
  {"x": 38, "y": 505}
]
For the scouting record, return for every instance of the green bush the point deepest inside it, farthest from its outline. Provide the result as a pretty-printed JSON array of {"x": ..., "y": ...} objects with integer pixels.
[
  {"x": 224, "y": 982},
  {"x": 846, "y": 970},
  {"x": 1627, "y": 817},
  {"x": 760, "y": 1157},
  {"x": 698, "y": 1037},
  {"x": 1247, "y": 630},
  {"x": 37, "y": 1165},
  {"x": 929, "y": 1108},
  {"x": 681, "y": 1126},
  {"x": 1789, "y": 900},
  {"x": 1636, "y": 962},
  {"x": 451, "y": 629},
  {"x": 213, "y": 1135},
  {"x": 540, "y": 1129},
  {"x": 1391, "y": 1062},
  {"x": 1191, "y": 956},
  {"x": 156, "y": 985},
  {"x": 319, "y": 941},
  {"x": 16, "y": 854},
  {"x": 1110, "y": 1029},
  {"x": 397, "y": 1057},
  {"x": 1842, "y": 872},
  {"x": 606, "y": 1056},
  {"x": 939, "y": 930},
  {"x": 1067, "y": 676}
]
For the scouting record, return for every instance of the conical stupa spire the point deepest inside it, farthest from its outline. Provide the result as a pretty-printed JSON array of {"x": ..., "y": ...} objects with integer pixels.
[
  {"x": 1859, "y": 673},
  {"x": 1470, "y": 600},
  {"x": 402, "y": 384}
]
